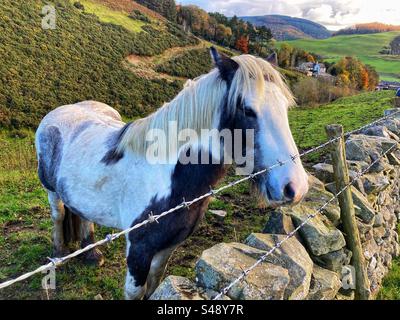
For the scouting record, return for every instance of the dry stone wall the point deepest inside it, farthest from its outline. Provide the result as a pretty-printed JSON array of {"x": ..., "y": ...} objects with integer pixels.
[{"x": 310, "y": 265}]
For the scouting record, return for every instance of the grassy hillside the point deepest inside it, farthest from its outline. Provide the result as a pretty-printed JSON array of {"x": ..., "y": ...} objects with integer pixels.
[
  {"x": 308, "y": 124},
  {"x": 25, "y": 218},
  {"x": 366, "y": 47},
  {"x": 81, "y": 59}
]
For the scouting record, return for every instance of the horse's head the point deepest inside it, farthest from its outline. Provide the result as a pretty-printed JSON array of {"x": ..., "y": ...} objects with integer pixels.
[{"x": 259, "y": 99}]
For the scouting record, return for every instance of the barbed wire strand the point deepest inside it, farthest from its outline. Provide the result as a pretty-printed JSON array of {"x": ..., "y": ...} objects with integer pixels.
[
  {"x": 55, "y": 262},
  {"x": 292, "y": 233}
]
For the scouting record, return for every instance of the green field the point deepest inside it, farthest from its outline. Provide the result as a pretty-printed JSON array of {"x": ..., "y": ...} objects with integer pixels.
[
  {"x": 25, "y": 242},
  {"x": 365, "y": 47}
]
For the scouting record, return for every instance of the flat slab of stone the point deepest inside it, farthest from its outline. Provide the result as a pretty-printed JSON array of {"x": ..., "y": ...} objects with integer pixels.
[
  {"x": 319, "y": 234},
  {"x": 325, "y": 284},
  {"x": 180, "y": 288},
  {"x": 224, "y": 262},
  {"x": 292, "y": 256}
]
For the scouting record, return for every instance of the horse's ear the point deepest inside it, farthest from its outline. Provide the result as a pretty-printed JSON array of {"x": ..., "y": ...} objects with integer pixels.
[
  {"x": 226, "y": 66},
  {"x": 273, "y": 59}
]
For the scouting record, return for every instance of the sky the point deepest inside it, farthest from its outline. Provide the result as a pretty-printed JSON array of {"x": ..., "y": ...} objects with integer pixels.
[{"x": 334, "y": 14}]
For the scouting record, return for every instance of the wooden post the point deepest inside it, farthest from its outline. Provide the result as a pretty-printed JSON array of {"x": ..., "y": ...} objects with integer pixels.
[
  {"x": 397, "y": 102},
  {"x": 348, "y": 217}
]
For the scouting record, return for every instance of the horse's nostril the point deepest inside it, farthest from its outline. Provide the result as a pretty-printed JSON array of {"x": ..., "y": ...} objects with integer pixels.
[{"x": 289, "y": 191}]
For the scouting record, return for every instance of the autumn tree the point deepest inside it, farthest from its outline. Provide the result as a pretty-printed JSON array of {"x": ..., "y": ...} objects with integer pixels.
[{"x": 242, "y": 44}]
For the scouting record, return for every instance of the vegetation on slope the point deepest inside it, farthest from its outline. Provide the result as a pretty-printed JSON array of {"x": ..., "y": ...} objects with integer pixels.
[
  {"x": 79, "y": 60},
  {"x": 365, "y": 47},
  {"x": 190, "y": 64}
]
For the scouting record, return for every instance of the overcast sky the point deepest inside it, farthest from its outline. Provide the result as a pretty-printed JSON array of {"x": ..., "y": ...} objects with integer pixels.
[{"x": 334, "y": 14}]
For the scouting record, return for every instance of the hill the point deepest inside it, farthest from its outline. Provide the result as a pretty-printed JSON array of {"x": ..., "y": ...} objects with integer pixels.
[
  {"x": 85, "y": 57},
  {"x": 289, "y": 28},
  {"x": 365, "y": 47},
  {"x": 366, "y": 28}
]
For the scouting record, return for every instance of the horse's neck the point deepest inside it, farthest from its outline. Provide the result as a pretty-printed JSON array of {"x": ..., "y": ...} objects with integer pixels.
[{"x": 192, "y": 180}]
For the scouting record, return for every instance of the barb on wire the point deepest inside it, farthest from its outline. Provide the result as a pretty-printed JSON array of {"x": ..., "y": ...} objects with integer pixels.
[
  {"x": 292, "y": 233},
  {"x": 185, "y": 204}
]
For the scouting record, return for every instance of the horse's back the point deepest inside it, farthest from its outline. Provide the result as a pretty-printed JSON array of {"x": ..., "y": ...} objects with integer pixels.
[{"x": 72, "y": 127}]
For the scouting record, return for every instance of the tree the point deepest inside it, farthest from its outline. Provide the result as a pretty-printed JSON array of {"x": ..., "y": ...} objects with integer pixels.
[
  {"x": 242, "y": 44},
  {"x": 166, "y": 8}
]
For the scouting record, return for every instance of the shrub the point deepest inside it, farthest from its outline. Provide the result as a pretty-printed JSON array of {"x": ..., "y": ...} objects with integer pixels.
[
  {"x": 79, "y": 5},
  {"x": 191, "y": 64},
  {"x": 313, "y": 91}
]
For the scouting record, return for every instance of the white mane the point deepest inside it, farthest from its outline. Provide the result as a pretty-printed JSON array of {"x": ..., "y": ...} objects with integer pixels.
[{"x": 197, "y": 105}]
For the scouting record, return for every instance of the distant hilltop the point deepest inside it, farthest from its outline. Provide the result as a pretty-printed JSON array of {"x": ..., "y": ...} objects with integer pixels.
[
  {"x": 366, "y": 28},
  {"x": 290, "y": 28}
]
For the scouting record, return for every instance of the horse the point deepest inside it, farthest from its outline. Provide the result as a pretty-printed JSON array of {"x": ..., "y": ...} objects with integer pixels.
[{"x": 95, "y": 171}]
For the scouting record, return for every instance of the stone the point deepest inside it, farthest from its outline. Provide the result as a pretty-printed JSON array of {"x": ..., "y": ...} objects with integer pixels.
[
  {"x": 334, "y": 261},
  {"x": 98, "y": 297},
  {"x": 324, "y": 172},
  {"x": 365, "y": 211},
  {"x": 291, "y": 256},
  {"x": 218, "y": 213},
  {"x": 278, "y": 223},
  {"x": 313, "y": 182},
  {"x": 374, "y": 184},
  {"x": 345, "y": 295},
  {"x": 225, "y": 262},
  {"x": 325, "y": 284},
  {"x": 180, "y": 288},
  {"x": 357, "y": 166},
  {"x": 370, "y": 248},
  {"x": 378, "y": 131},
  {"x": 364, "y": 148},
  {"x": 317, "y": 196},
  {"x": 379, "y": 233},
  {"x": 378, "y": 220},
  {"x": 319, "y": 234}
]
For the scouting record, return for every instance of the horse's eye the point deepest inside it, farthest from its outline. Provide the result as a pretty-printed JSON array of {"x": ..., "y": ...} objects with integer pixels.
[{"x": 249, "y": 112}]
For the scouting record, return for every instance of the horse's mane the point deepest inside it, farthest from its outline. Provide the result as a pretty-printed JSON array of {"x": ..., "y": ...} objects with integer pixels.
[{"x": 198, "y": 104}]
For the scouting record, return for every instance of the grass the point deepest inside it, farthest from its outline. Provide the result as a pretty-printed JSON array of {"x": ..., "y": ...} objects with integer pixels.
[
  {"x": 107, "y": 15},
  {"x": 308, "y": 123},
  {"x": 366, "y": 47},
  {"x": 25, "y": 224}
]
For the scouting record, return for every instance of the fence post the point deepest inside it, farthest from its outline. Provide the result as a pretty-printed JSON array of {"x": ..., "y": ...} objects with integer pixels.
[{"x": 362, "y": 291}]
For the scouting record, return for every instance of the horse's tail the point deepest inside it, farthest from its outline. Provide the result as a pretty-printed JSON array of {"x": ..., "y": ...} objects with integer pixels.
[{"x": 71, "y": 226}]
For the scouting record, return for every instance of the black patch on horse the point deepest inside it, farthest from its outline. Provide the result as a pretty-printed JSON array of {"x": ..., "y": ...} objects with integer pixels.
[
  {"x": 188, "y": 181},
  {"x": 112, "y": 156},
  {"x": 51, "y": 145}
]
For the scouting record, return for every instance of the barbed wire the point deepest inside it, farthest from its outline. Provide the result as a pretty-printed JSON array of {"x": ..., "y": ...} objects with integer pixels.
[
  {"x": 262, "y": 259},
  {"x": 55, "y": 262}
]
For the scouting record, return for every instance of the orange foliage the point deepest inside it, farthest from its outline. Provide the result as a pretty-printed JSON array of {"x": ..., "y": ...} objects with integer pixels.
[{"x": 242, "y": 44}]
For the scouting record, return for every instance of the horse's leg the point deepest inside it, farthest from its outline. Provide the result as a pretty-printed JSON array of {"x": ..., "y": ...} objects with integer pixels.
[
  {"x": 94, "y": 256},
  {"x": 157, "y": 270},
  {"x": 57, "y": 215},
  {"x": 139, "y": 259}
]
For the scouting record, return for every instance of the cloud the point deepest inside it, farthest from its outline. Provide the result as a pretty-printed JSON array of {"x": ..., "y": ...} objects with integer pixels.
[{"x": 334, "y": 14}]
